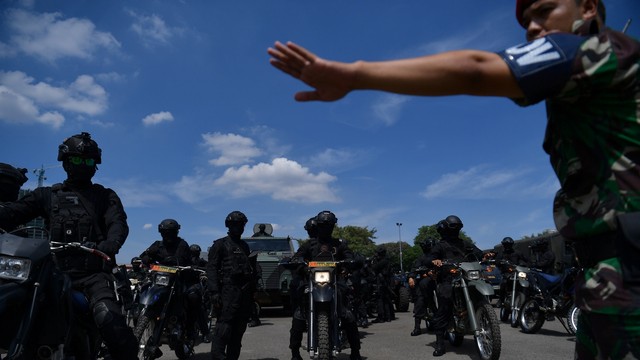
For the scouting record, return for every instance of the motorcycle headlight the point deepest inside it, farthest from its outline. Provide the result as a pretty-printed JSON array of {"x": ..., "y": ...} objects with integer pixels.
[
  {"x": 162, "y": 280},
  {"x": 473, "y": 275},
  {"x": 522, "y": 275},
  {"x": 14, "y": 268},
  {"x": 322, "y": 276}
]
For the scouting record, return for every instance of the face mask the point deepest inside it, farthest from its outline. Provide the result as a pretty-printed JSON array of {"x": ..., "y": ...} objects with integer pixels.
[{"x": 79, "y": 173}]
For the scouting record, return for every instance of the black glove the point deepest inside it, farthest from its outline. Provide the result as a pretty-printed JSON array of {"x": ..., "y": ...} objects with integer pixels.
[
  {"x": 89, "y": 244},
  {"x": 109, "y": 247}
]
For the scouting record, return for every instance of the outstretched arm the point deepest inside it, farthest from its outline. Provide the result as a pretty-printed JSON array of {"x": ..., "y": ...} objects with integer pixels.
[{"x": 467, "y": 72}]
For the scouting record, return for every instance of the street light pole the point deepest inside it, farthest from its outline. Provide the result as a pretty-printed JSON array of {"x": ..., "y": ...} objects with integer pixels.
[{"x": 399, "y": 225}]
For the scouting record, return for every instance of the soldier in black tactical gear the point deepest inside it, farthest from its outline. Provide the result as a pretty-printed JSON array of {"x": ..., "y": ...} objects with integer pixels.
[
  {"x": 543, "y": 258},
  {"x": 381, "y": 266},
  {"x": 231, "y": 274},
  {"x": 325, "y": 221},
  {"x": 11, "y": 179},
  {"x": 78, "y": 210},
  {"x": 510, "y": 256},
  {"x": 451, "y": 248},
  {"x": 195, "y": 250},
  {"x": 173, "y": 250},
  {"x": 137, "y": 270},
  {"x": 198, "y": 290},
  {"x": 425, "y": 286}
]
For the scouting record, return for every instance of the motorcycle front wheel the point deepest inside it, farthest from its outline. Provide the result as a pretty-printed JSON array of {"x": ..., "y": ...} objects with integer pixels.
[
  {"x": 531, "y": 317},
  {"x": 572, "y": 319},
  {"x": 488, "y": 340},
  {"x": 517, "y": 306},
  {"x": 144, "y": 334},
  {"x": 324, "y": 336}
]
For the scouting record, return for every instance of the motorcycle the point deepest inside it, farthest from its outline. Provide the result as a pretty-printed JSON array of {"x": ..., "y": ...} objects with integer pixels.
[
  {"x": 325, "y": 336},
  {"x": 43, "y": 316},
  {"x": 517, "y": 287},
  {"x": 551, "y": 297},
  {"x": 472, "y": 312},
  {"x": 162, "y": 314}
]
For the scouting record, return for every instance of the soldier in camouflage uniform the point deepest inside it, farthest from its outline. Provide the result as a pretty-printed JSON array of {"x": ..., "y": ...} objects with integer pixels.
[{"x": 589, "y": 77}]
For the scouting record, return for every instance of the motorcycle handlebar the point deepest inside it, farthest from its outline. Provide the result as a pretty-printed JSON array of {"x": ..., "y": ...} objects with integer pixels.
[{"x": 59, "y": 246}]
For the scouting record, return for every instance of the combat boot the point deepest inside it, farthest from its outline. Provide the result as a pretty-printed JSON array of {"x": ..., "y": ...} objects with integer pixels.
[
  {"x": 439, "y": 348},
  {"x": 355, "y": 355},
  {"x": 295, "y": 354},
  {"x": 416, "y": 329}
]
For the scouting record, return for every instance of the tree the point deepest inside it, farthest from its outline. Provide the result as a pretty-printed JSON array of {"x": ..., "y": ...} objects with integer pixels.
[{"x": 360, "y": 239}]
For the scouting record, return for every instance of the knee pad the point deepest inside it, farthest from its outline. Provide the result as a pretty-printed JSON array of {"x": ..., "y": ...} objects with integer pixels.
[{"x": 101, "y": 314}]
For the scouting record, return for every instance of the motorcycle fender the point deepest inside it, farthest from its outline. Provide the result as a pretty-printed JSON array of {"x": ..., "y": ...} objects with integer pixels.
[
  {"x": 483, "y": 287},
  {"x": 11, "y": 293},
  {"x": 323, "y": 294},
  {"x": 153, "y": 294}
]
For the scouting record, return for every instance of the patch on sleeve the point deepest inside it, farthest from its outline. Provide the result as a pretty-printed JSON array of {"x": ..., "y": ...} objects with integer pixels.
[{"x": 543, "y": 66}]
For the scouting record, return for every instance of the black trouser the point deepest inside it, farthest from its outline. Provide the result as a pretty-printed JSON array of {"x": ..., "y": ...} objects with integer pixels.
[
  {"x": 385, "y": 306},
  {"x": 445, "y": 307},
  {"x": 424, "y": 297},
  {"x": 232, "y": 322},
  {"x": 196, "y": 313},
  {"x": 107, "y": 314}
]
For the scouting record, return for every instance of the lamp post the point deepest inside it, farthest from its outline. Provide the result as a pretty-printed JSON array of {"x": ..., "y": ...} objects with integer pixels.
[{"x": 399, "y": 225}]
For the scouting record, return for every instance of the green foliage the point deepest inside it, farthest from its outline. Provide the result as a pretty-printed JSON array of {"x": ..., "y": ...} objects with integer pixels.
[{"x": 360, "y": 239}]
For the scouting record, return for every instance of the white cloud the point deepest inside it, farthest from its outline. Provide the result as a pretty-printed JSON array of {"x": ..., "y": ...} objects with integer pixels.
[
  {"x": 388, "y": 108},
  {"x": 282, "y": 179},
  {"x": 15, "y": 108},
  {"x": 482, "y": 182},
  {"x": 49, "y": 37},
  {"x": 147, "y": 226},
  {"x": 153, "y": 30},
  {"x": 157, "y": 118},
  {"x": 82, "y": 97},
  {"x": 139, "y": 193},
  {"x": 234, "y": 149},
  {"x": 193, "y": 189}
]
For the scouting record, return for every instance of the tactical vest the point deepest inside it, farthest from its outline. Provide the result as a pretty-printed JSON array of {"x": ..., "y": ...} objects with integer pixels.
[
  {"x": 236, "y": 266},
  {"x": 71, "y": 221}
]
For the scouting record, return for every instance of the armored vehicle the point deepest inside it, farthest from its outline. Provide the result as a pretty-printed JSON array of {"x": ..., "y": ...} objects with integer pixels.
[{"x": 273, "y": 287}]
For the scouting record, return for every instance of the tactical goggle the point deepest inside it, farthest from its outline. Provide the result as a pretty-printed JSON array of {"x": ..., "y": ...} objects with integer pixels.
[{"x": 77, "y": 160}]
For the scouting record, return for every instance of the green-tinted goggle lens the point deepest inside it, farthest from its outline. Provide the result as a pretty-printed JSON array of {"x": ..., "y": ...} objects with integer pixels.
[{"x": 77, "y": 160}]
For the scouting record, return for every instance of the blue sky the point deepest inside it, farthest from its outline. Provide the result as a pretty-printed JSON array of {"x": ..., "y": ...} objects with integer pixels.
[{"x": 194, "y": 122}]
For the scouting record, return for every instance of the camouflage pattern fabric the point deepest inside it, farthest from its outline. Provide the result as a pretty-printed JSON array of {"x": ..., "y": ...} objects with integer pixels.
[
  {"x": 594, "y": 340},
  {"x": 591, "y": 83}
]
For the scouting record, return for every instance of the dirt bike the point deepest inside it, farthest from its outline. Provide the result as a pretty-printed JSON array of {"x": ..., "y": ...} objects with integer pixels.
[
  {"x": 517, "y": 287},
  {"x": 325, "y": 336},
  {"x": 472, "y": 312},
  {"x": 551, "y": 297},
  {"x": 43, "y": 316},
  {"x": 162, "y": 318}
]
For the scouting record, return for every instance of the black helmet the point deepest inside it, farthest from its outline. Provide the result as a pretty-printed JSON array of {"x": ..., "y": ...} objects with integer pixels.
[
  {"x": 12, "y": 175},
  {"x": 326, "y": 217},
  {"x": 168, "y": 224},
  {"x": 507, "y": 242},
  {"x": 312, "y": 227},
  {"x": 235, "y": 217},
  {"x": 81, "y": 145},
  {"x": 451, "y": 224},
  {"x": 427, "y": 244},
  {"x": 195, "y": 248}
]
